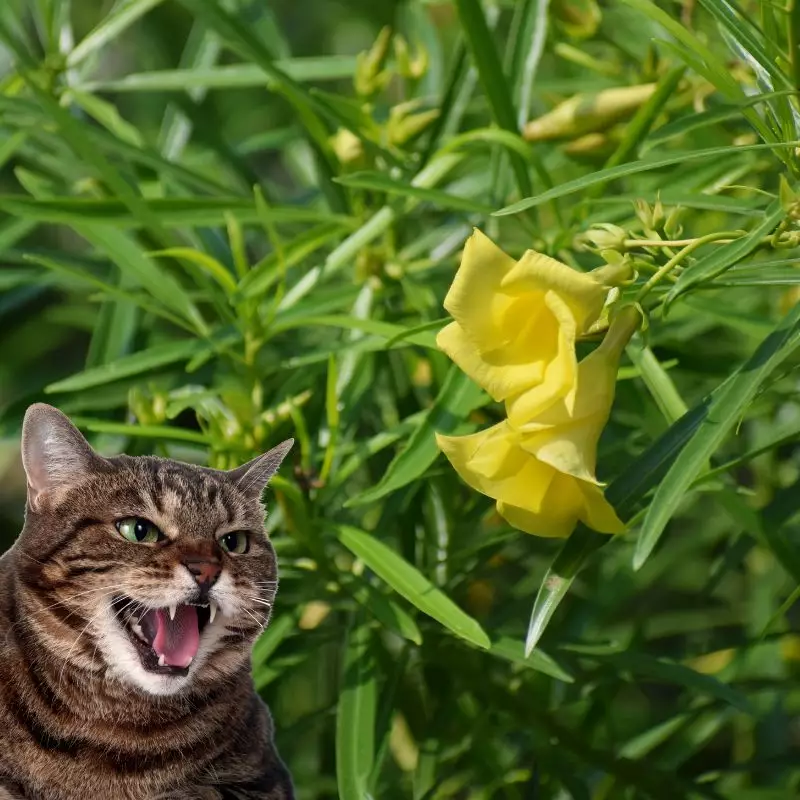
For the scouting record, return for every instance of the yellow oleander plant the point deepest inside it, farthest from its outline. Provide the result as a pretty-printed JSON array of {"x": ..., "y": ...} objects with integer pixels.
[{"x": 514, "y": 333}]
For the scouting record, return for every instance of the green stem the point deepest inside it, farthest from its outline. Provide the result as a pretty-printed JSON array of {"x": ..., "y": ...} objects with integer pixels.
[
  {"x": 792, "y": 30},
  {"x": 691, "y": 246},
  {"x": 632, "y": 244}
]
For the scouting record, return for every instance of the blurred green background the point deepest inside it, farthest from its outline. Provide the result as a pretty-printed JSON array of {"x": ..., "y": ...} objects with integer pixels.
[{"x": 224, "y": 222}]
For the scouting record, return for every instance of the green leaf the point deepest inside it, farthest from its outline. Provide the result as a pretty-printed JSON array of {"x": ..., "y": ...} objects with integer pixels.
[
  {"x": 722, "y": 413},
  {"x": 163, "y": 432},
  {"x": 495, "y": 83},
  {"x": 385, "y": 330},
  {"x": 556, "y": 582},
  {"x": 511, "y": 650},
  {"x": 191, "y": 211},
  {"x": 271, "y": 268},
  {"x": 108, "y": 116},
  {"x": 723, "y": 257},
  {"x": 231, "y": 76},
  {"x": 691, "y": 122},
  {"x": 527, "y": 53},
  {"x": 644, "y": 119},
  {"x": 74, "y": 134},
  {"x": 512, "y": 142},
  {"x": 713, "y": 68},
  {"x": 705, "y": 202},
  {"x": 136, "y": 363},
  {"x": 666, "y": 671},
  {"x": 390, "y": 614},
  {"x": 407, "y": 581},
  {"x": 202, "y": 49},
  {"x": 242, "y": 40},
  {"x": 205, "y": 262},
  {"x": 85, "y": 277},
  {"x": 115, "y": 328},
  {"x": 355, "y": 715},
  {"x": 111, "y": 26},
  {"x": 424, "y": 327},
  {"x": 633, "y": 168},
  {"x": 280, "y": 628},
  {"x": 125, "y": 252},
  {"x": 11, "y": 145},
  {"x": 457, "y": 398},
  {"x": 378, "y": 182},
  {"x": 750, "y": 38},
  {"x": 658, "y": 382}
]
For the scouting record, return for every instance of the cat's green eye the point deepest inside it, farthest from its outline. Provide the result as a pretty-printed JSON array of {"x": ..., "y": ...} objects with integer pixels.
[
  {"x": 136, "y": 529},
  {"x": 237, "y": 542}
]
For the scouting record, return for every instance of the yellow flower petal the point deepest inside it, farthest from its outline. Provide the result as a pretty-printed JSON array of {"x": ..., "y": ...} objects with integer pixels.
[
  {"x": 531, "y": 495},
  {"x": 492, "y": 463},
  {"x": 499, "y": 379},
  {"x": 598, "y": 513},
  {"x": 560, "y": 372},
  {"x": 537, "y": 524},
  {"x": 567, "y": 438},
  {"x": 568, "y": 500},
  {"x": 536, "y": 272},
  {"x": 475, "y": 300}
]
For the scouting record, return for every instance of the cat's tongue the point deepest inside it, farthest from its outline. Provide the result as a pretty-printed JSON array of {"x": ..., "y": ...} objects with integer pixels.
[{"x": 177, "y": 639}]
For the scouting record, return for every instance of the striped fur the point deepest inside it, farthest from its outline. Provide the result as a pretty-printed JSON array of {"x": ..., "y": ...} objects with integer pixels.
[{"x": 78, "y": 717}]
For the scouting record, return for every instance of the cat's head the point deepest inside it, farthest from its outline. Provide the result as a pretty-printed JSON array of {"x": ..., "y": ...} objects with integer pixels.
[{"x": 149, "y": 571}]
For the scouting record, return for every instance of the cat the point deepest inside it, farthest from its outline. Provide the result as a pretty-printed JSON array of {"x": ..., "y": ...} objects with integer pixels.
[{"x": 128, "y": 608}]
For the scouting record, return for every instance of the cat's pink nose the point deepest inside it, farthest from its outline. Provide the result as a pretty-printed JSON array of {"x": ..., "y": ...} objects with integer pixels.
[{"x": 205, "y": 572}]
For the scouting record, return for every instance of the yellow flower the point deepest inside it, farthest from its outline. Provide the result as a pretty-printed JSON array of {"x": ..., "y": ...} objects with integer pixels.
[
  {"x": 542, "y": 474},
  {"x": 516, "y": 323}
]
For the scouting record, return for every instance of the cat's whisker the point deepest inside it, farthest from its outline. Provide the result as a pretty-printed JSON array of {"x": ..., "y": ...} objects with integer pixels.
[
  {"x": 35, "y": 612},
  {"x": 261, "y": 625},
  {"x": 77, "y": 639},
  {"x": 31, "y": 558}
]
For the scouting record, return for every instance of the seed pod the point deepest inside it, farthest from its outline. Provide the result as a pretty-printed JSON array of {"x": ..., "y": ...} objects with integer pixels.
[{"x": 585, "y": 113}]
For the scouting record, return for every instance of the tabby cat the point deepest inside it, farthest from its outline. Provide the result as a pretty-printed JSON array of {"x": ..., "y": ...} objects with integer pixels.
[{"x": 128, "y": 609}]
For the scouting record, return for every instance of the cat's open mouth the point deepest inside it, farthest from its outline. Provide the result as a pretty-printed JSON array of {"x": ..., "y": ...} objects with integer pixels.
[{"x": 167, "y": 639}]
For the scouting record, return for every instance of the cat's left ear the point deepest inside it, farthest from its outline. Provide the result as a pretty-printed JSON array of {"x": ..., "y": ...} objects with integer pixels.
[
  {"x": 254, "y": 476},
  {"x": 54, "y": 453}
]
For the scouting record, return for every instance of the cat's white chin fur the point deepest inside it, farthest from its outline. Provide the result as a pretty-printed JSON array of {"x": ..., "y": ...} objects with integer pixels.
[{"x": 123, "y": 660}]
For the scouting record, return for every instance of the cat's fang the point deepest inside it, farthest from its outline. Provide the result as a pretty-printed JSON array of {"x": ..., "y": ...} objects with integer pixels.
[
  {"x": 172, "y": 610},
  {"x": 162, "y": 662},
  {"x": 212, "y": 611}
]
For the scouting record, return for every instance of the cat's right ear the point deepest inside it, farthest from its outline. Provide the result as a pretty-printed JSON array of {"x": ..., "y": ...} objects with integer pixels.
[{"x": 54, "y": 453}]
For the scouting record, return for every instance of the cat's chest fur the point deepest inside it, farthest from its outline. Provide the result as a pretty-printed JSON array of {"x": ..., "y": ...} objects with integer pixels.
[{"x": 125, "y": 642}]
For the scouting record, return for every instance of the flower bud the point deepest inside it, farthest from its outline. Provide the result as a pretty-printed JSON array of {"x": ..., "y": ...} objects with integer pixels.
[
  {"x": 578, "y": 18},
  {"x": 403, "y": 126},
  {"x": 411, "y": 68},
  {"x": 370, "y": 76},
  {"x": 348, "y": 147},
  {"x": 605, "y": 236}
]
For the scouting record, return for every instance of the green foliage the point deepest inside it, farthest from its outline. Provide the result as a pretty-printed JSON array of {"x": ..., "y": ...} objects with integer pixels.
[{"x": 225, "y": 222}]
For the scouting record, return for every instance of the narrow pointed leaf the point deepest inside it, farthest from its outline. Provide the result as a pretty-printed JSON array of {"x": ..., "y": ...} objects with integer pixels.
[
  {"x": 409, "y": 582},
  {"x": 723, "y": 412},
  {"x": 356, "y": 714},
  {"x": 457, "y": 398}
]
